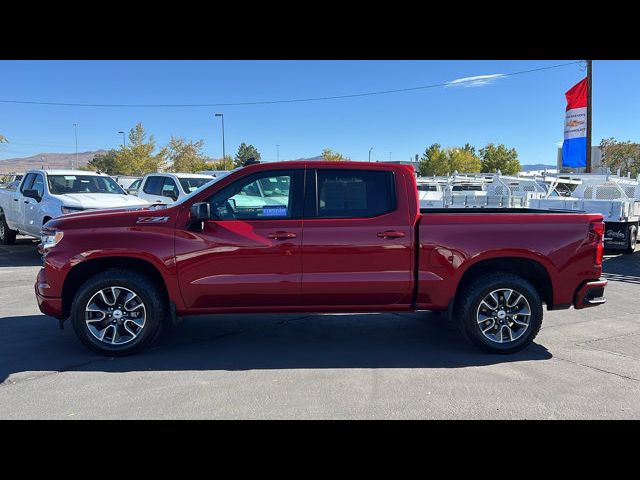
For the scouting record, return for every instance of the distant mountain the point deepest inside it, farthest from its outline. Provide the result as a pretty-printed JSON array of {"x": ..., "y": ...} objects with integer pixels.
[
  {"x": 49, "y": 160},
  {"x": 537, "y": 166}
]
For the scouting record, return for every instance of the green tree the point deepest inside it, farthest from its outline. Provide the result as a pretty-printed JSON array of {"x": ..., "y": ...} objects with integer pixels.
[
  {"x": 104, "y": 162},
  {"x": 463, "y": 160},
  {"x": 245, "y": 152},
  {"x": 138, "y": 157},
  {"x": 225, "y": 163},
  {"x": 494, "y": 158},
  {"x": 469, "y": 148},
  {"x": 622, "y": 155},
  {"x": 186, "y": 157},
  {"x": 331, "y": 155},
  {"x": 433, "y": 161}
]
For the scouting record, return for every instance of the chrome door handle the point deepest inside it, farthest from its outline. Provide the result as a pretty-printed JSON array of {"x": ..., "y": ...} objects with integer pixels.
[
  {"x": 390, "y": 234},
  {"x": 281, "y": 235}
]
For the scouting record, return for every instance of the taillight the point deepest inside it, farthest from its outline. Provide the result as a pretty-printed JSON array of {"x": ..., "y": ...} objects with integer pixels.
[{"x": 596, "y": 233}]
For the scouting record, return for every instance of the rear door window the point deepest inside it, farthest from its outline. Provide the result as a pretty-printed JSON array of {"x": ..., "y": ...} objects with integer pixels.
[{"x": 354, "y": 193}]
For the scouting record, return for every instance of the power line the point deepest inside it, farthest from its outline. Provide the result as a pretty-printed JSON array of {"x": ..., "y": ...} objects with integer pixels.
[{"x": 270, "y": 102}]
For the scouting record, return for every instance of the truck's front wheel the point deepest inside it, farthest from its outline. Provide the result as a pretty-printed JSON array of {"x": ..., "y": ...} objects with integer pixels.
[
  {"x": 118, "y": 312},
  {"x": 499, "y": 312},
  {"x": 7, "y": 236}
]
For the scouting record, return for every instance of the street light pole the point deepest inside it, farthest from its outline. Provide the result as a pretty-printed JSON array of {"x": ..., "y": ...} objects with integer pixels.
[
  {"x": 278, "y": 153},
  {"x": 224, "y": 154},
  {"x": 370, "y": 153},
  {"x": 124, "y": 140},
  {"x": 76, "y": 130},
  {"x": 389, "y": 156}
]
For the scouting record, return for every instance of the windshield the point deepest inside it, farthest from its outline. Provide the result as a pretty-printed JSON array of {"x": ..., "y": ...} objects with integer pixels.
[
  {"x": 206, "y": 185},
  {"x": 192, "y": 184},
  {"x": 61, "y": 184}
]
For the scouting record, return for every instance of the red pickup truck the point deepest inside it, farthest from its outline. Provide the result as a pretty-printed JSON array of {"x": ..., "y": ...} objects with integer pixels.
[{"x": 316, "y": 237}]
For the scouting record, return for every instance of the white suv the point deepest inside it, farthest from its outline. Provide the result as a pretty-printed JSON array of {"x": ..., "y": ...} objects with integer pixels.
[{"x": 167, "y": 188}]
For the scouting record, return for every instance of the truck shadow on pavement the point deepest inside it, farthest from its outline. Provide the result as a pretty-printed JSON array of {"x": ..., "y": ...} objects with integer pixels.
[
  {"x": 622, "y": 268},
  {"x": 23, "y": 254},
  {"x": 34, "y": 344}
]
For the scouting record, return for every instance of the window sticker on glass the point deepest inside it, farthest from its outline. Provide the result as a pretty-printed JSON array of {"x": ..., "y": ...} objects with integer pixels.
[
  {"x": 69, "y": 177},
  {"x": 274, "y": 211}
]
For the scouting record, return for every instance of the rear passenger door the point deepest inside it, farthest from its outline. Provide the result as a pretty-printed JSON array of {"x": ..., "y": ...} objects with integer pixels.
[{"x": 357, "y": 239}]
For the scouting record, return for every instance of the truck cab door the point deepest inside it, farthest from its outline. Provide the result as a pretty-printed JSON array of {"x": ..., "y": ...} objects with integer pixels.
[
  {"x": 248, "y": 255},
  {"x": 20, "y": 202},
  {"x": 33, "y": 208}
]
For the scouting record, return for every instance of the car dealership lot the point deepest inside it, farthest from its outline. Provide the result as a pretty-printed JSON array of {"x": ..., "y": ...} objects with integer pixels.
[{"x": 584, "y": 364}]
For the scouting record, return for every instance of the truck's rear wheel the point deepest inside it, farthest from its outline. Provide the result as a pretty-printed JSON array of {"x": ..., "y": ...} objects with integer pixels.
[
  {"x": 118, "y": 312},
  {"x": 633, "y": 239},
  {"x": 499, "y": 312},
  {"x": 7, "y": 236}
]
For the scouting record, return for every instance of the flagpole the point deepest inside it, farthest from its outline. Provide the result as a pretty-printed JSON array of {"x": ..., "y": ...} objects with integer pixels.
[{"x": 588, "y": 167}]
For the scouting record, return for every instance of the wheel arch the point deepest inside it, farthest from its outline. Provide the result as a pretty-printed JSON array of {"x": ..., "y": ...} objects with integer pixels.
[
  {"x": 81, "y": 272},
  {"x": 531, "y": 270}
]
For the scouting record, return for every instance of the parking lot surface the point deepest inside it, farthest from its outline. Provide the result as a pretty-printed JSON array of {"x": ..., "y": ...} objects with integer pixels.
[{"x": 583, "y": 364}]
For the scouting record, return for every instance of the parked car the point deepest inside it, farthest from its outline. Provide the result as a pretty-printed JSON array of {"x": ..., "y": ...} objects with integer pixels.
[
  {"x": 133, "y": 188},
  {"x": 125, "y": 181},
  {"x": 46, "y": 194},
  {"x": 318, "y": 237},
  {"x": 10, "y": 179},
  {"x": 166, "y": 188}
]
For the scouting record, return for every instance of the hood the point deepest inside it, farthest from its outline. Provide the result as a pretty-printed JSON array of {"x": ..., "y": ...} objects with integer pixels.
[
  {"x": 100, "y": 200},
  {"x": 112, "y": 217}
]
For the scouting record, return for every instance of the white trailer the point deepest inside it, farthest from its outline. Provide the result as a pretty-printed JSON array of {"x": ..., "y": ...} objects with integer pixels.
[{"x": 616, "y": 198}]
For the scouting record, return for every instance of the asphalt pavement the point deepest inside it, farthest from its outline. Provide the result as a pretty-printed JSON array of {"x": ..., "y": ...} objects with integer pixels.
[{"x": 584, "y": 364}]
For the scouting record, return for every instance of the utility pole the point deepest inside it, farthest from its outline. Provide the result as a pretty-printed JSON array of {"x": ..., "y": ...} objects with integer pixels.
[
  {"x": 76, "y": 127},
  {"x": 224, "y": 153},
  {"x": 124, "y": 140},
  {"x": 390, "y": 160},
  {"x": 370, "y": 159},
  {"x": 277, "y": 153},
  {"x": 589, "y": 117}
]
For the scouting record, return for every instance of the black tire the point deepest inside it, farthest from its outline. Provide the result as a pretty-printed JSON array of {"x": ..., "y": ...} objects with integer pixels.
[
  {"x": 468, "y": 304},
  {"x": 633, "y": 239},
  {"x": 7, "y": 236},
  {"x": 151, "y": 295}
]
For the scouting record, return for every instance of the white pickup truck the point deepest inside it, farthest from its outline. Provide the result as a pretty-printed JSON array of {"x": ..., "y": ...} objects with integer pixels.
[
  {"x": 46, "y": 194},
  {"x": 166, "y": 188}
]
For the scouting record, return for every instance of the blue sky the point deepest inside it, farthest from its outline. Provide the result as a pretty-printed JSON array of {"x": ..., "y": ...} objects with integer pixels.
[{"x": 523, "y": 111}]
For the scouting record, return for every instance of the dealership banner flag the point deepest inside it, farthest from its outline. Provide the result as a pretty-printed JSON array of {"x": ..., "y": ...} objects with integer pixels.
[{"x": 574, "y": 148}]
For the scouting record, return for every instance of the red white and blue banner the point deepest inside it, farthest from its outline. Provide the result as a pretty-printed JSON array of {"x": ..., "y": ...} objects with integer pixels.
[{"x": 574, "y": 148}]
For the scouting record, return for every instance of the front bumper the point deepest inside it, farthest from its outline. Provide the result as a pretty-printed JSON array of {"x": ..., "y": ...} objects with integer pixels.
[
  {"x": 51, "y": 306},
  {"x": 591, "y": 294}
]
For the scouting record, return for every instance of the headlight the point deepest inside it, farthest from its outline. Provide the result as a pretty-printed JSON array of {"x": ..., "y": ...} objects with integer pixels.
[
  {"x": 51, "y": 239},
  {"x": 70, "y": 210}
]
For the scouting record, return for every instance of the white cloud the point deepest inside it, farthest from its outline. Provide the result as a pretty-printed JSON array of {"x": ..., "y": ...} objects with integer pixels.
[{"x": 477, "y": 81}]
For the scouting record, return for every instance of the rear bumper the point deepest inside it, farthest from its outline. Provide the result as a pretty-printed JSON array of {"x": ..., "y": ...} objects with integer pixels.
[{"x": 591, "y": 294}]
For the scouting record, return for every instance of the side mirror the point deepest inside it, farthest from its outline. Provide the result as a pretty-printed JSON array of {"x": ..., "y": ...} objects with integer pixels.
[
  {"x": 170, "y": 194},
  {"x": 198, "y": 214},
  {"x": 32, "y": 194}
]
